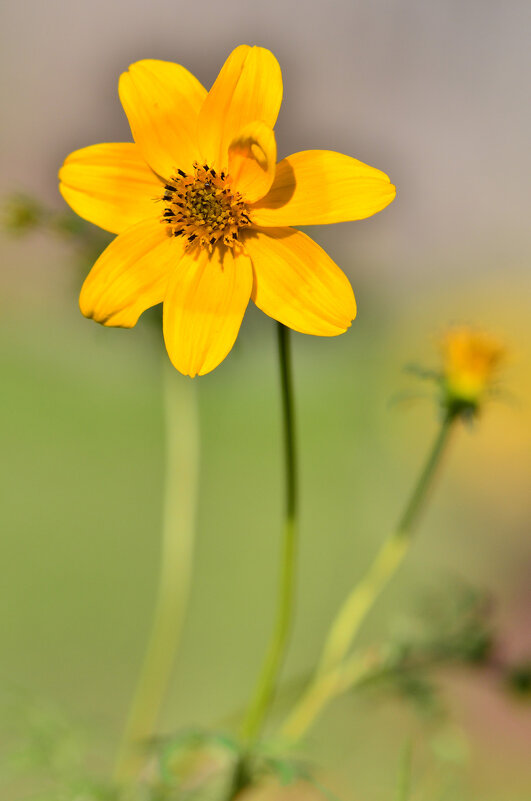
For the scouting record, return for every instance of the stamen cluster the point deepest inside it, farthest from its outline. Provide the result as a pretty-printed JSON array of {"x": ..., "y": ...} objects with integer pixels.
[{"x": 203, "y": 208}]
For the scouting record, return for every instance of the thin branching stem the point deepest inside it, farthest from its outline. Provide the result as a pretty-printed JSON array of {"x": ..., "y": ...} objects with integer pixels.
[{"x": 333, "y": 673}]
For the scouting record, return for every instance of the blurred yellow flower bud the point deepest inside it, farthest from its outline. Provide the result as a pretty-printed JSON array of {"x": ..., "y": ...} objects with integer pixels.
[{"x": 471, "y": 359}]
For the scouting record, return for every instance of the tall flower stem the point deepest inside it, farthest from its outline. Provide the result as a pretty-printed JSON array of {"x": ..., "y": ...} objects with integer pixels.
[
  {"x": 265, "y": 688},
  {"x": 331, "y": 676},
  {"x": 178, "y": 528}
]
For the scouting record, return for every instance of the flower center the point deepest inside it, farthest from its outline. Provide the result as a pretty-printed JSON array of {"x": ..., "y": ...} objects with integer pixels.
[{"x": 203, "y": 208}]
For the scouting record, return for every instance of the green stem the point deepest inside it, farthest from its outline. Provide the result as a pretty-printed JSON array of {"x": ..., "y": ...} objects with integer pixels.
[
  {"x": 387, "y": 561},
  {"x": 265, "y": 688},
  {"x": 404, "y": 778},
  {"x": 329, "y": 679},
  {"x": 180, "y": 490}
]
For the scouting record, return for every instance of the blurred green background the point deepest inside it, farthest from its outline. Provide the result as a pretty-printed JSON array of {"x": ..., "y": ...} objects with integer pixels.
[{"x": 434, "y": 95}]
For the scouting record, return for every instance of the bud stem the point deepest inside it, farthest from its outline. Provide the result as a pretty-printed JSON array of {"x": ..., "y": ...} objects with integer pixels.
[{"x": 329, "y": 679}]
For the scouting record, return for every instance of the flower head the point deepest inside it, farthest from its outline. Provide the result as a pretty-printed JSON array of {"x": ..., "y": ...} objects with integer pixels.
[
  {"x": 471, "y": 359},
  {"x": 204, "y": 215}
]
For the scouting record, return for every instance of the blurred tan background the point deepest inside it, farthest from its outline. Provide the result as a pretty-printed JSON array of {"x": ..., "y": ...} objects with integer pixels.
[{"x": 436, "y": 94}]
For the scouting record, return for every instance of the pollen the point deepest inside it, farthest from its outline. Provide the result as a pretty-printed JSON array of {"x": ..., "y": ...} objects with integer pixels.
[{"x": 203, "y": 208}]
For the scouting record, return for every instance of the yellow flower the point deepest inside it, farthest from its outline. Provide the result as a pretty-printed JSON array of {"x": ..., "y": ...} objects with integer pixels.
[
  {"x": 204, "y": 165},
  {"x": 471, "y": 359}
]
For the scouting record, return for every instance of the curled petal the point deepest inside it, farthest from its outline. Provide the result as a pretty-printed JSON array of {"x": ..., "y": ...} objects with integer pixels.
[
  {"x": 315, "y": 187},
  {"x": 252, "y": 160},
  {"x": 131, "y": 275},
  {"x": 204, "y": 306},
  {"x": 298, "y": 284}
]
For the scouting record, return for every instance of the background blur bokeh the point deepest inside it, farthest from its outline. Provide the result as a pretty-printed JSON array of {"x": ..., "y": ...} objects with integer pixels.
[{"x": 436, "y": 95}]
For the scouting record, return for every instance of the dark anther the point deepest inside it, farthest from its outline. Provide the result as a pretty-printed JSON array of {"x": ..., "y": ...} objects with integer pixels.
[
  {"x": 205, "y": 167},
  {"x": 182, "y": 173},
  {"x": 212, "y": 172},
  {"x": 213, "y": 240},
  {"x": 192, "y": 237}
]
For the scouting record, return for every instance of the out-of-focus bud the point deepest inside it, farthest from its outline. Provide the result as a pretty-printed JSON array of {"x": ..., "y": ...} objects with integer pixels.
[
  {"x": 471, "y": 360},
  {"x": 518, "y": 679},
  {"x": 22, "y": 214}
]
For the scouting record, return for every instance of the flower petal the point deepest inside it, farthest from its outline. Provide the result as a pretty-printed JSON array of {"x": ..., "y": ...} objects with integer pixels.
[
  {"x": 314, "y": 187},
  {"x": 204, "y": 307},
  {"x": 130, "y": 275},
  {"x": 110, "y": 185},
  {"x": 162, "y": 102},
  {"x": 252, "y": 160},
  {"x": 298, "y": 284},
  {"x": 248, "y": 88}
]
